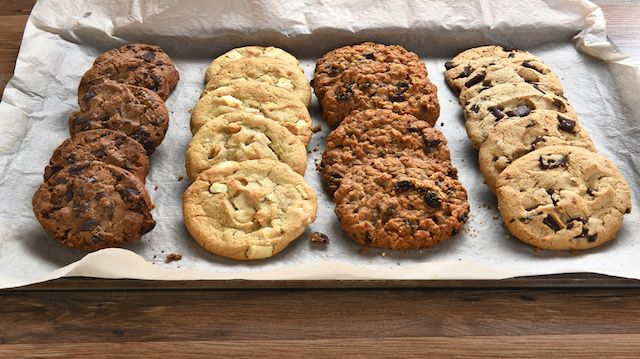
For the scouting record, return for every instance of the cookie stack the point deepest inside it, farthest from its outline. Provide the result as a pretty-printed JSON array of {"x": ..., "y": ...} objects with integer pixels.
[
  {"x": 389, "y": 170},
  {"x": 248, "y": 155},
  {"x": 93, "y": 195},
  {"x": 554, "y": 191}
]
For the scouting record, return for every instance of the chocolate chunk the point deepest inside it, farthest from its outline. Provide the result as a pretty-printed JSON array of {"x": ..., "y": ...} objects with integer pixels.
[
  {"x": 474, "y": 80},
  {"x": 465, "y": 72},
  {"x": 550, "y": 221},
  {"x": 432, "y": 199},
  {"x": 566, "y": 124},
  {"x": 496, "y": 112},
  {"x": 397, "y": 97},
  {"x": 448, "y": 65},
  {"x": 369, "y": 56},
  {"x": 88, "y": 225},
  {"x": 413, "y": 130},
  {"x": 148, "y": 56},
  {"x": 402, "y": 186},
  {"x": 475, "y": 108},
  {"x": 521, "y": 111},
  {"x": 527, "y": 64},
  {"x": 552, "y": 161}
]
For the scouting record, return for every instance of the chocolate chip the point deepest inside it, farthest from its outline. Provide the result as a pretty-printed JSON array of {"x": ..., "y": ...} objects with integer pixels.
[
  {"x": 344, "y": 96},
  {"x": 484, "y": 89},
  {"x": 474, "y": 80},
  {"x": 592, "y": 237},
  {"x": 88, "y": 96},
  {"x": 45, "y": 214},
  {"x": 448, "y": 65},
  {"x": 148, "y": 56},
  {"x": 552, "y": 161},
  {"x": 465, "y": 72},
  {"x": 82, "y": 121},
  {"x": 69, "y": 193},
  {"x": 558, "y": 104},
  {"x": 369, "y": 56},
  {"x": 100, "y": 195},
  {"x": 550, "y": 221},
  {"x": 432, "y": 199},
  {"x": 627, "y": 211},
  {"x": 397, "y": 97},
  {"x": 527, "y": 64},
  {"x": 570, "y": 225},
  {"x": 402, "y": 186},
  {"x": 521, "y": 111},
  {"x": 566, "y": 124},
  {"x": 453, "y": 173},
  {"x": 590, "y": 191},
  {"x": 365, "y": 86},
  {"x": 75, "y": 170},
  {"x": 332, "y": 70},
  {"x": 512, "y": 55},
  {"x": 160, "y": 63},
  {"x": 156, "y": 79},
  {"x": 99, "y": 152},
  {"x": 509, "y": 49},
  {"x": 496, "y": 112},
  {"x": 402, "y": 86},
  {"x": 536, "y": 141},
  {"x": 80, "y": 208},
  {"x": 88, "y": 225},
  {"x": 129, "y": 192},
  {"x": 132, "y": 68},
  {"x": 475, "y": 108},
  {"x": 413, "y": 130}
]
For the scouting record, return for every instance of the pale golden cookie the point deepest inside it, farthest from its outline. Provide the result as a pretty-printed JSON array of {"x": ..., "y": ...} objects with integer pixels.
[
  {"x": 248, "y": 210},
  {"x": 245, "y": 52},
  {"x": 242, "y": 136}
]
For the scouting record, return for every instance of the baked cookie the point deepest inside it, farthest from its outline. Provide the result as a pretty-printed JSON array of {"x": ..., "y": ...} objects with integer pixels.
[
  {"x": 242, "y": 136},
  {"x": 248, "y": 210},
  {"x": 331, "y": 65},
  {"x": 258, "y": 98},
  {"x": 400, "y": 88},
  {"x": 135, "y": 64},
  {"x": 111, "y": 147},
  {"x": 514, "y": 138},
  {"x": 403, "y": 203},
  {"x": 264, "y": 69},
  {"x": 506, "y": 101},
  {"x": 92, "y": 205},
  {"x": 379, "y": 133},
  {"x": 482, "y": 79},
  {"x": 563, "y": 198},
  {"x": 138, "y": 112},
  {"x": 249, "y": 51}
]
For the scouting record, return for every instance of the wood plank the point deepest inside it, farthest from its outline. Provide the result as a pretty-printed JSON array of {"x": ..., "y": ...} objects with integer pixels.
[
  {"x": 623, "y": 28},
  {"x": 528, "y": 346},
  {"x": 16, "y": 7},
  {"x": 144, "y": 316}
]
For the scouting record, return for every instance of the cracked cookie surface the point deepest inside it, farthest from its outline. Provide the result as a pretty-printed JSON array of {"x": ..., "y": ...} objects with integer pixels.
[
  {"x": 402, "y": 203},
  {"x": 563, "y": 198},
  {"x": 248, "y": 51},
  {"x": 93, "y": 205},
  {"x": 248, "y": 210},
  {"x": 241, "y": 136}
]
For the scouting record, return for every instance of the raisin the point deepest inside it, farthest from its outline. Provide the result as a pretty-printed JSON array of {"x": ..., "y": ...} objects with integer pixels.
[
  {"x": 413, "y": 225},
  {"x": 332, "y": 70},
  {"x": 413, "y": 130},
  {"x": 431, "y": 145},
  {"x": 463, "y": 217},
  {"x": 566, "y": 124},
  {"x": 88, "y": 225},
  {"x": 369, "y": 56},
  {"x": 398, "y": 97},
  {"x": 402, "y": 186},
  {"x": 402, "y": 86},
  {"x": 432, "y": 199}
]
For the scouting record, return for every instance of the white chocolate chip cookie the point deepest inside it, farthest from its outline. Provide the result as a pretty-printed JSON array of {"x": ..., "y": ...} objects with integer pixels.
[{"x": 245, "y": 52}]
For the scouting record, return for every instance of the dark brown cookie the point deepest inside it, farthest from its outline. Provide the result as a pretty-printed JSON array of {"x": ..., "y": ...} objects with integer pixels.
[
  {"x": 135, "y": 64},
  {"x": 138, "y": 112},
  {"x": 378, "y": 133},
  {"x": 401, "y": 88},
  {"x": 333, "y": 63},
  {"x": 403, "y": 203},
  {"x": 93, "y": 205},
  {"x": 111, "y": 147}
]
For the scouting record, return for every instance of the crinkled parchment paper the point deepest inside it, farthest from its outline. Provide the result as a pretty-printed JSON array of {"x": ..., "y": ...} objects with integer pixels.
[{"x": 63, "y": 37}]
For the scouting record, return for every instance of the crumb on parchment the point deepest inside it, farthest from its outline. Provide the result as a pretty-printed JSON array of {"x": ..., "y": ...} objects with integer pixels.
[
  {"x": 172, "y": 257},
  {"x": 321, "y": 238}
]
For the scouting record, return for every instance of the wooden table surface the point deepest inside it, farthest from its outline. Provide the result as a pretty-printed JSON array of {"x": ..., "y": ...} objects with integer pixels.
[{"x": 560, "y": 316}]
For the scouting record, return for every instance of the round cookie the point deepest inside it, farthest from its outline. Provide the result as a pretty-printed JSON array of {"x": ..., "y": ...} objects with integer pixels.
[
  {"x": 255, "y": 97},
  {"x": 248, "y": 210},
  {"x": 331, "y": 65},
  {"x": 400, "y": 203},
  {"x": 111, "y": 147},
  {"x": 249, "y": 51},
  {"x": 138, "y": 112},
  {"x": 379, "y": 133},
  {"x": 264, "y": 69},
  {"x": 242, "y": 136},
  {"x": 135, "y": 64},
  {"x": 506, "y": 101},
  {"x": 563, "y": 198},
  {"x": 400, "y": 88},
  {"x": 514, "y": 138},
  {"x": 93, "y": 205}
]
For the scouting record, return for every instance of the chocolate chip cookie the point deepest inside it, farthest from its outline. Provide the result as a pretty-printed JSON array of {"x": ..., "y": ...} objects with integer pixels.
[
  {"x": 508, "y": 101},
  {"x": 514, "y": 138},
  {"x": 330, "y": 66},
  {"x": 400, "y": 203},
  {"x": 255, "y": 97},
  {"x": 563, "y": 198},
  {"x": 248, "y": 210},
  {"x": 92, "y": 205},
  {"x": 264, "y": 69},
  {"x": 138, "y": 112},
  {"x": 379, "y": 133},
  {"x": 135, "y": 64},
  {"x": 243, "y": 136},
  {"x": 111, "y": 147},
  {"x": 401, "y": 88},
  {"x": 249, "y": 51}
]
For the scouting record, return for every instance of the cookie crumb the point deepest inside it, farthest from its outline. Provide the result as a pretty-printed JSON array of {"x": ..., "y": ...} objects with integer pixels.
[
  {"x": 316, "y": 128},
  {"x": 172, "y": 257},
  {"x": 155, "y": 188},
  {"x": 363, "y": 251},
  {"x": 321, "y": 238},
  {"x": 180, "y": 178},
  {"x": 384, "y": 254}
]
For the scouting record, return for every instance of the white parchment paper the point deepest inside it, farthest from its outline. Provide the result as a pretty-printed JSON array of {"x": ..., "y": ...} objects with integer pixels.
[{"x": 62, "y": 38}]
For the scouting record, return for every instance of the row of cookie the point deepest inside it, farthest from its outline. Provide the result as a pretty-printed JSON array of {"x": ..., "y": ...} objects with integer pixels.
[
  {"x": 94, "y": 195},
  {"x": 554, "y": 191},
  {"x": 389, "y": 170},
  {"x": 247, "y": 157}
]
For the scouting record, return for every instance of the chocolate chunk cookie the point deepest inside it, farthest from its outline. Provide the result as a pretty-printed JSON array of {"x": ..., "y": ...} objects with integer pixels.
[
  {"x": 512, "y": 139},
  {"x": 135, "y": 64},
  {"x": 505, "y": 102},
  {"x": 111, "y": 147},
  {"x": 330, "y": 66},
  {"x": 248, "y": 51},
  {"x": 379, "y": 133},
  {"x": 401, "y": 88},
  {"x": 563, "y": 198},
  {"x": 92, "y": 205},
  {"x": 400, "y": 203},
  {"x": 138, "y": 112}
]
